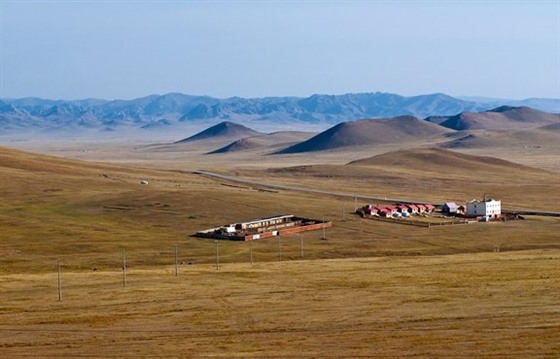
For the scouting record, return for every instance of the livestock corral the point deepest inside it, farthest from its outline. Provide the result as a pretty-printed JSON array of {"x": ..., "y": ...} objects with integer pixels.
[{"x": 264, "y": 228}]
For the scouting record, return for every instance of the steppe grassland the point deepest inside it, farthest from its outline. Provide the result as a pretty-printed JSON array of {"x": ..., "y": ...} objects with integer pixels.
[
  {"x": 469, "y": 301},
  {"x": 473, "y": 305},
  {"x": 87, "y": 213}
]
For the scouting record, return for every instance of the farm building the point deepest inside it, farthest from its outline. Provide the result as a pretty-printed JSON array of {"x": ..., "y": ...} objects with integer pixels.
[
  {"x": 412, "y": 208},
  {"x": 389, "y": 211},
  {"x": 264, "y": 228},
  {"x": 449, "y": 207},
  {"x": 489, "y": 208},
  {"x": 429, "y": 208},
  {"x": 402, "y": 208}
]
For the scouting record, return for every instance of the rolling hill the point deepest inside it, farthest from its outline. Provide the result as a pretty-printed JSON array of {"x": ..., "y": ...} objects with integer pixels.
[
  {"x": 369, "y": 132},
  {"x": 223, "y": 130},
  {"x": 441, "y": 160},
  {"x": 542, "y": 136},
  {"x": 275, "y": 139},
  {"x": 501, "y": 118},
  {"x": 239, "y": 145}
]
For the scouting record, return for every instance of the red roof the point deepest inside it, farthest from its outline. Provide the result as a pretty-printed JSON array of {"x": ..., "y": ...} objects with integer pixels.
[
  {"x": 429, "y": 206},
  {"x": 412, "y": 206}
]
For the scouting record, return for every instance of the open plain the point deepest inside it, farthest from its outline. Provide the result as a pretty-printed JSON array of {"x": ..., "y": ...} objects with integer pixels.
[{"x": 361, "y": 289}]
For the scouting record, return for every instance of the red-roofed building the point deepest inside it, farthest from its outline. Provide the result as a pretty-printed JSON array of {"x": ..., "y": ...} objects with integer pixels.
[
  {"x": 429, "y": 207},
  {"x": 402, "y": 208},
  {"x": 412, "y": 208}
]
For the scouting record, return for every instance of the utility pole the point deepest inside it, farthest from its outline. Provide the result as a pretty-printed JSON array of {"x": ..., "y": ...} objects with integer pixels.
[
  {"x": 217, "y": 256},
  {"x": 279, "y": 249},
  {"x": 176, "y": 261},
  {"x": 251, "y": 251},
  {"x": 301, "y": 244},
  {"x": 59, "y": 281},
  {"x": 124, "y": 267}
]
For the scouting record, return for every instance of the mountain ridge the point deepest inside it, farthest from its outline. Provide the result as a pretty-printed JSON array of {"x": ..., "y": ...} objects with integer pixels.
[{"x": 172, "y": 109}]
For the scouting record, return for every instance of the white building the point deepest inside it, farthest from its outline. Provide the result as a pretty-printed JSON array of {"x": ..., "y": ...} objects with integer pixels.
[{"x": 484, "y": 208}]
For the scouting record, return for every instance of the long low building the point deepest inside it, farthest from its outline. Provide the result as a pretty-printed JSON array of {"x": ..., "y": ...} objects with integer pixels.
[{"x": 280, "y": 225}]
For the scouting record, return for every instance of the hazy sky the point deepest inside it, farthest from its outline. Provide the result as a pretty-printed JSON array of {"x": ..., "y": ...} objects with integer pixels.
[{"x": 127, "y": 49}]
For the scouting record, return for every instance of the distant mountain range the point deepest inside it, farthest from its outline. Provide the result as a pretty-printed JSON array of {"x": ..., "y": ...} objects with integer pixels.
[{"x": 174, "y": 109}]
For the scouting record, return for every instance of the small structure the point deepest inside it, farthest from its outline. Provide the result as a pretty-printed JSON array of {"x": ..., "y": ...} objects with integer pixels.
[
  {"x": 412, "y": 208},
  {"x": 449, "y": 207},
  {"x": 264, "y": 228},
  {"x": 429, "y": 208},
  {"x": 489, "y": 208},
  {"x": 402, "y": 208},
  {"x": 388, "y": 211}
]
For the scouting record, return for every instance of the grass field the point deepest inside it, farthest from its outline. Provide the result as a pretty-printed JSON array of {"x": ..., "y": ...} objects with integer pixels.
[
  {"x": 465, "y": 305},
  {"x": 370, "y": 288}
]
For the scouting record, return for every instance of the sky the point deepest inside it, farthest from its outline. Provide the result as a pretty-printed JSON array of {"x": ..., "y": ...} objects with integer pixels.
[{"x": 125, "y": 49}]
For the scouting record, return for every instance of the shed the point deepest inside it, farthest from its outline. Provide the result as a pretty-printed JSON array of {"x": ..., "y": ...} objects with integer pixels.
[
  {"x": 449, "y": 207},
  {"x": 402, "y": 208},
  {"x": 412, "y": 208},
  {"x": 429, "y": 207}
]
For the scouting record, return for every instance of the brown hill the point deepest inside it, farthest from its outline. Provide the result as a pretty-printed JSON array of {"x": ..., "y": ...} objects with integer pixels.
[
  {"x": 501, "y": 118},
  {"x": 543, "y": 136},
  {"x": 21, "y": 162},
  {"x": 239, "y": 145},
  {"x": 262, "y": 141},
  {"x": 436, "y": 174},
  {"x": 441, "y": 160},
  {"x": 225, "y": 129},
  {"x": 369, "y": 132},
  {"x": 32, "y": 175}
]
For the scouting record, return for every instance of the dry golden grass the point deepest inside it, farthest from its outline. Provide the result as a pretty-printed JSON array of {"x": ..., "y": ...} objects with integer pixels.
[
  {"x": 471, "y": 305},
  {"x": 429, "y": 175},
  {"x": 397, "y": 291}
]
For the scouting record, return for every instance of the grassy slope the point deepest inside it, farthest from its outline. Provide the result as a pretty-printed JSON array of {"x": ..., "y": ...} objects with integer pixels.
[
  {"x": 466, "y": 301},
  {"x": 431, "y": 175}
]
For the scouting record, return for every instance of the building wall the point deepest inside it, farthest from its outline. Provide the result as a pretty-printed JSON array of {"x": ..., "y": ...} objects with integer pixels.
[{"x": 491, "y": 208}]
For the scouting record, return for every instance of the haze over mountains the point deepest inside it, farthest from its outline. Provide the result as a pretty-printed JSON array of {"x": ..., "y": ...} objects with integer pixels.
[{"x": 174, "y": 110}]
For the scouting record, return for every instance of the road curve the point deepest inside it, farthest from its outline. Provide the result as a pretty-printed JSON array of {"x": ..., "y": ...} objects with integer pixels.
[{"x": 349, "y": 195}]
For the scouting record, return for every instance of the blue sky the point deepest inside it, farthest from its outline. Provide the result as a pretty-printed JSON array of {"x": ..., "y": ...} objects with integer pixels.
[{"x": 127, "y": 49}]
